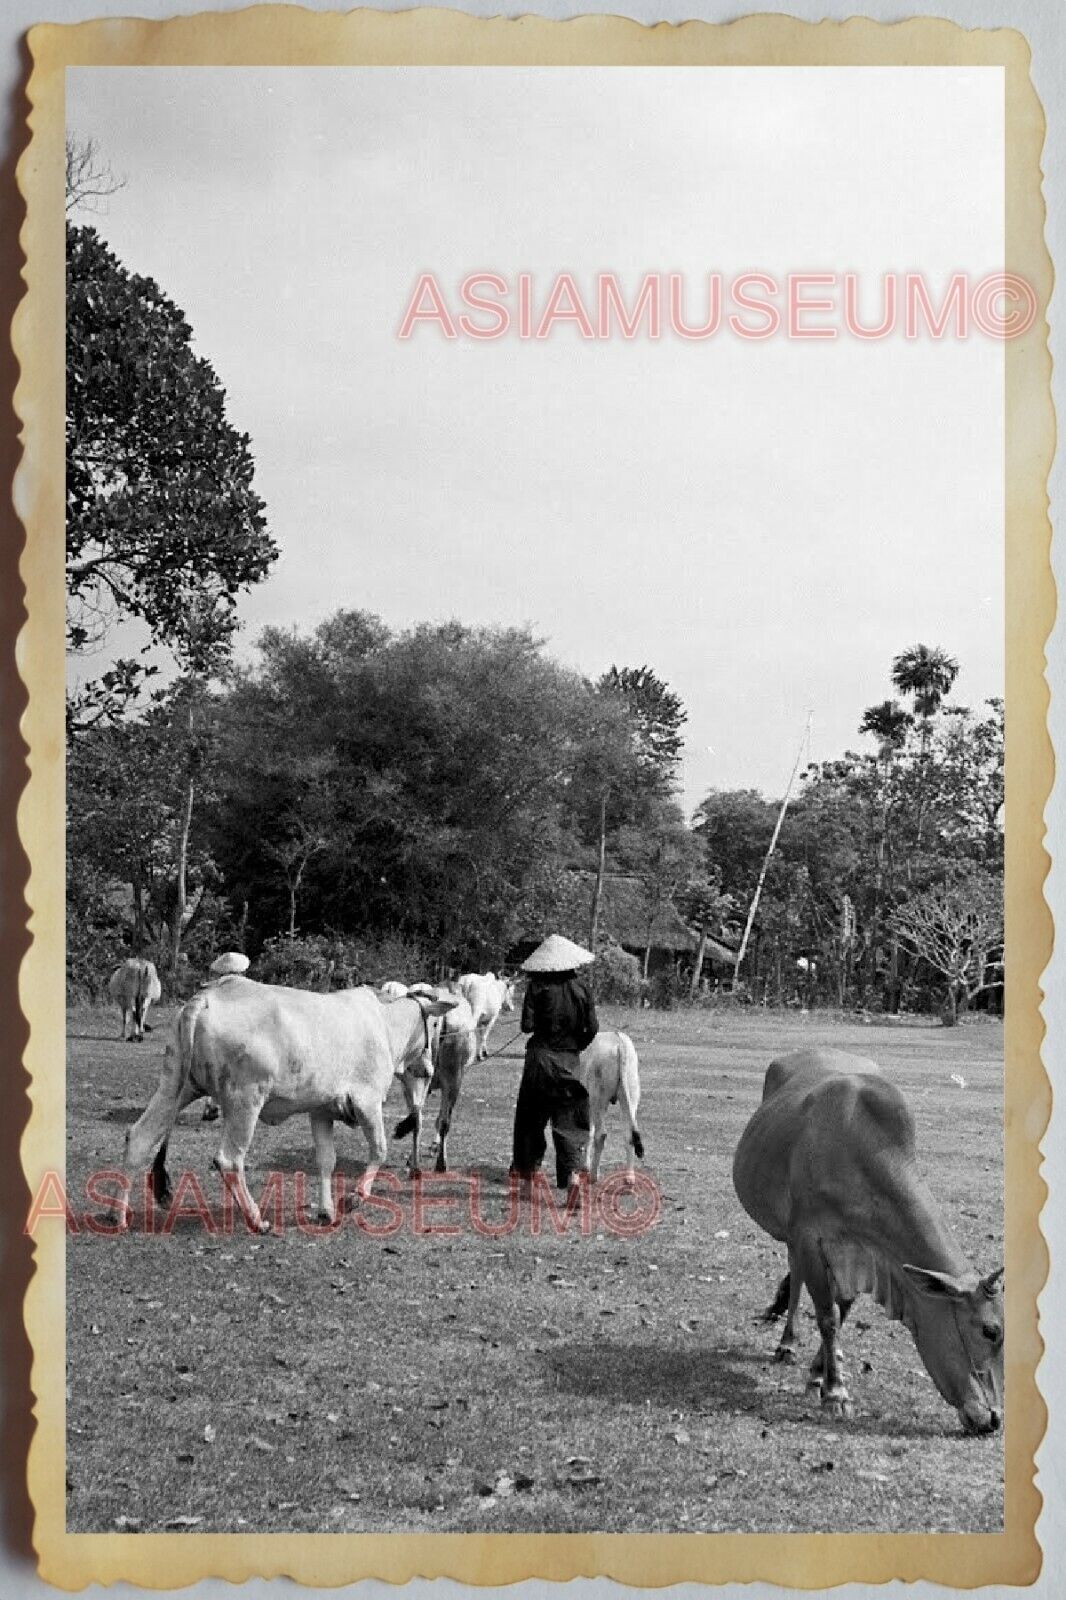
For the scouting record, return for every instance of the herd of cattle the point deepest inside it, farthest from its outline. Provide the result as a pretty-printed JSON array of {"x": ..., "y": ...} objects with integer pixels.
[{"x": 826, "y": 1164}]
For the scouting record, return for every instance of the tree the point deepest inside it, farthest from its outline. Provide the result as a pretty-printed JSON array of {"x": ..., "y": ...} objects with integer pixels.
[
  {"x": 957, "y": 927},
  {"x": 88, "y": 176},
  {"x": 927, "y": 673},
  {"x": 703, "y": 904},
  {"x": 163, "y": 524},
  {"x": 662, "y": 854},
  {"x": 655, "y": 717}
]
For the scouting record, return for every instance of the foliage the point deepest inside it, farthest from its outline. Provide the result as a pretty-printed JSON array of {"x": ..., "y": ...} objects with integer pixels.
[
  {"x": 326, "y": 961},
  {"x": 163, "y": 525},
  {"x": 958, "y": 928},
  {"x": 616, "y": 976}
]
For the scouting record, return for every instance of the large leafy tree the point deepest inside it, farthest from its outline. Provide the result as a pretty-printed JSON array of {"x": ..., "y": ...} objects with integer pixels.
[
  {"x": 635, "y": 767},
  {"x": 164, "y": 527}
]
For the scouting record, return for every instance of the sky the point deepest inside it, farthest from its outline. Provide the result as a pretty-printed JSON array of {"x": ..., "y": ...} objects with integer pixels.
[{"x": 766, "y": 524}]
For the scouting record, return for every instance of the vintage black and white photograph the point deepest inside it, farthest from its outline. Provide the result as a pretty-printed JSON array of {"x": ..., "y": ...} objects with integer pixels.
[{"x": 535, "y": 944}]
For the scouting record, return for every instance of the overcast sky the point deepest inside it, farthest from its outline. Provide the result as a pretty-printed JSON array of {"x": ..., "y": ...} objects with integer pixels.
[{"x": 766, "y": 524}]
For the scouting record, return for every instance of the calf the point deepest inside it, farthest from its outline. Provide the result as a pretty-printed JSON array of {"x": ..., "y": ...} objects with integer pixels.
[{"x": 609, "y": 1067}]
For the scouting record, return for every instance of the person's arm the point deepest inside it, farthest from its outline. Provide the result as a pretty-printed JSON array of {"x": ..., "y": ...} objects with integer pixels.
[{"x": 527, "y": 1024}]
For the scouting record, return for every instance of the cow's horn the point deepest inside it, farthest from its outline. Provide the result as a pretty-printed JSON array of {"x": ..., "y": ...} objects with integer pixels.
[{"x": 988, "y": 1285}]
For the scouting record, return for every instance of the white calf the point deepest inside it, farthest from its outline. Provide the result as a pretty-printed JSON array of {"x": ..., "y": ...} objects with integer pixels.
[{"x": 609, "y": 1067}]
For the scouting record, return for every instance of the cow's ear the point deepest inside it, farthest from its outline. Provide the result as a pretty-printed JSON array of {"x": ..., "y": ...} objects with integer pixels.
[{"x": 938, "y": 1285}]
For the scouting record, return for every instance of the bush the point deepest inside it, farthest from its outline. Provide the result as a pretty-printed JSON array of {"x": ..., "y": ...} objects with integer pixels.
[
  {"x": 616, "y": 976},
  {"x": 337, "y": 961}
]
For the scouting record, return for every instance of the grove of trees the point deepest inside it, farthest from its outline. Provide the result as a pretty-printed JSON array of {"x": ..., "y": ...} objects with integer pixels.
[{"x": 430, "y": 798}]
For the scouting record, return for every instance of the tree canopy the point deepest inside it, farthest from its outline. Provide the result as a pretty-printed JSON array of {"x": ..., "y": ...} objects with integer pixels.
[{"x": 163, "y": 524}]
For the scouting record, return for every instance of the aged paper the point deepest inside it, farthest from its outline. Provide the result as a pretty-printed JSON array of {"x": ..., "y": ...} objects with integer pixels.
[{"x": 280, "y": 37}]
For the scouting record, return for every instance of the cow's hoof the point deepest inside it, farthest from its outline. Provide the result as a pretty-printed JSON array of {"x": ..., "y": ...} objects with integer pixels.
[
  {"x": 837, "y": 1405},
  {"x": 414, "y": 1172},
  {"x": 785, "y": 1353},
  {"x": 814, "y": 1385},
  {"x": 441, "y": 1165},
  {"x": 324, "y": 1219},
  {"x": 210, "y": 1114},
  {"x": 262, "y": 1226}
]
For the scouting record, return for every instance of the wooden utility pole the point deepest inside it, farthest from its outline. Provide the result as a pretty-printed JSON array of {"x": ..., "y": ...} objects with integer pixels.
[{"x": 804, "y": 744}]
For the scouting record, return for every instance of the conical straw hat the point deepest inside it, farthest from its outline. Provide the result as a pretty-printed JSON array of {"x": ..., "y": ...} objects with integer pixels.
[
  {"x": 556, "y": 954},
  {"x": 232, "y": 961}
]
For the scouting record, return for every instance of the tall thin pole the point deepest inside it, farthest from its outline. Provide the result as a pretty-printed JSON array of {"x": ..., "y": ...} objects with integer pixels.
[{"x": 804, "y": 744}]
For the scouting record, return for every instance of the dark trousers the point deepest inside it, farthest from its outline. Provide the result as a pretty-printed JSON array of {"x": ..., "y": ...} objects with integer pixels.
[{"x": 551, "y": 1090}]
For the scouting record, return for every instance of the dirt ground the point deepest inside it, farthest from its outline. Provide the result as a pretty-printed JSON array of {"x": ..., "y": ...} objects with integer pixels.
[{"x": 371, "y": 1380}]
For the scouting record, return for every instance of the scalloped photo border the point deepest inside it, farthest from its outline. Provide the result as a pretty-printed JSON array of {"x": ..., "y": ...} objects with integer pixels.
[{"x": 282, "y": 36}]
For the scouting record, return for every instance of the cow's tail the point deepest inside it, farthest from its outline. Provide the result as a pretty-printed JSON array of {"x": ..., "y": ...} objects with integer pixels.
[
  {"x": 148, "y": 1136},
  {"x": 629, "y": 1090}
]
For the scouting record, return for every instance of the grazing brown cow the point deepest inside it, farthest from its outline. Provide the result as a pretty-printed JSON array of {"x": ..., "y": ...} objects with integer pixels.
[
  {"x": 827, "y": 1165},
  {"x": 134, "y": 985}
]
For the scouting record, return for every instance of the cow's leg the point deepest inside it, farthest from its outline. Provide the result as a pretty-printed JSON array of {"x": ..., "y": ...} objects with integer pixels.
[
  {"x": 827, "y": 1373},
  {"x": 373, "y": 1125},
  {"x": 125, "y": 1014},
  {"x": 326, "y": 1161},
  {"x": 138, "y": 1021},
  {"x": 786, "y": 1345},
  {"x": 449, "y": 1094},
  {"x": 240, "y": 1113},
  {"x": 160, "y": 1176},
  {"x": 598, "y": 1140}
]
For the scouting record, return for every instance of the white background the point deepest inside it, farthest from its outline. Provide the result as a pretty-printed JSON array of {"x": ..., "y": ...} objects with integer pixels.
[{"x": 1045, "y": 29}]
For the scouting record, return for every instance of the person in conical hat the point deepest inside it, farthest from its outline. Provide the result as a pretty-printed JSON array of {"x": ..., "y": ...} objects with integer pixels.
[{"x": 559, "y": 1014}]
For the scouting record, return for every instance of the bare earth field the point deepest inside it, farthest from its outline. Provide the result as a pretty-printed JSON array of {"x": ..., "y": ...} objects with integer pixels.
[{"x": 414, "y": 1381}]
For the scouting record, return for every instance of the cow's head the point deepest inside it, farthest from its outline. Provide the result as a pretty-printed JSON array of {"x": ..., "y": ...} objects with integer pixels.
[
  {"x": 507, "y": 1004},
  {"x": 958, "y": 1327},
  {"x": 416, "y": 1066}
]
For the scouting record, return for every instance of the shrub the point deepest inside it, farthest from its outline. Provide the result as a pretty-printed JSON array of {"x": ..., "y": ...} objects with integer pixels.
[
  {"x": 338, "y": 961},
  {"x": 616, "y": 976}
]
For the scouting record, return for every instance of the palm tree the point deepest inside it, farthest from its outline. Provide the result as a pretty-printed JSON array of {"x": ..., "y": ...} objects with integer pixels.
[
  {"x": 889, "y": 723},
  {"x": 927, "y": 674}
]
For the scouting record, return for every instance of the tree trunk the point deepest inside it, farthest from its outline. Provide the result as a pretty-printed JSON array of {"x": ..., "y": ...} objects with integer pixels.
[
  {"x": 292, "y": 911},
  {"x": 647, "y": 962},
  {"x": 951, "y": 1009},
  {"x": 597, "y": 893},
  {"x": 138, "y": 911},
  {"x": 178, "y": 922},
  {"x": 697, "y": 970}
]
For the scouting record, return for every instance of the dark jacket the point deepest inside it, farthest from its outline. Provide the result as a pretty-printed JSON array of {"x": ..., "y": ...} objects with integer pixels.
[{"x": 559, "y": 1012}]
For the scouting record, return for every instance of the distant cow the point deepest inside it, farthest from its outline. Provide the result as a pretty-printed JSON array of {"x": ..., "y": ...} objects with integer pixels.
[
  {"x": 486, "y": 996},
  {"x": 133, "y": 986},
  {"x": 609, "y": 1068},
  {"x": 267, "y": 1052},
  {"x": 455, "y": 1049},
  {"x": 827, "y": 1165}
]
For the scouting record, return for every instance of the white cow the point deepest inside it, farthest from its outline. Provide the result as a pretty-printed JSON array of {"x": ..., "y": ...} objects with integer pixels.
[
  {"x": 267, "y": 1052},
  {"x": 392, "y": 990},
  {"x": 609, "y": 1068},
  {"x": 455, "y": 1049},
  {"x": 134, "y": 985},
  {"x": 487, "y": 996}
]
